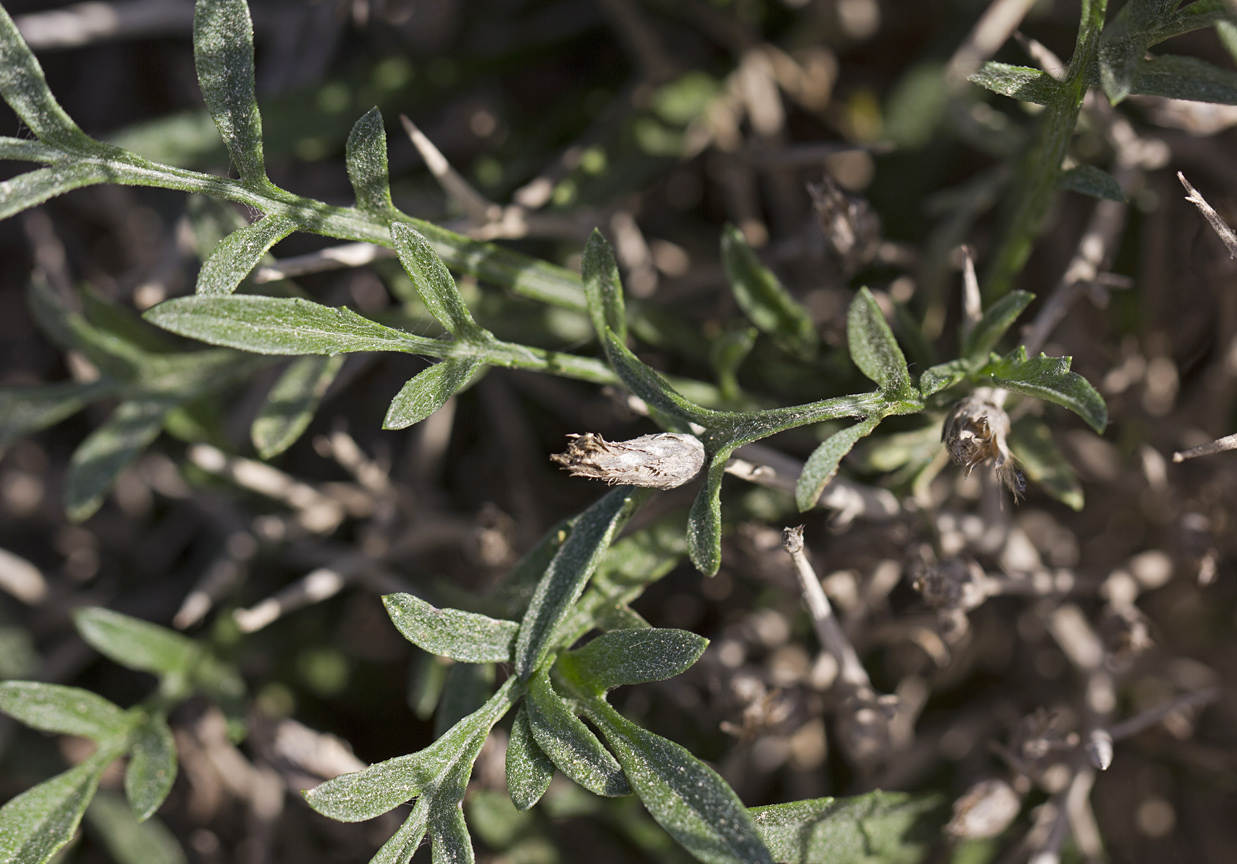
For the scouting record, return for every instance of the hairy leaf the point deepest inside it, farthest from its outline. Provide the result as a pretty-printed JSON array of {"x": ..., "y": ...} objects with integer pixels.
[
  {"x": 632, "y": 656},
  {"x": 137, "y": 644},
  {"x": 569, "y": 572},
  {"x": 25, "y": 410},
  {"x": 1185, "y": 78},
  {"x": 603, "y": 289},
  {"x": 223, "y": 54},
  {"x": 128, "y": 840},
  {"x": 890, "y": 827},
  {"x": 686, "y": 797},
  {"x": 1091, "y": 181},
  {"x": 429, "y": 390},
  {"x": 1032, "y": 444},
  {"x": 650, "y": 386},
  {"x": 568, "y": 743},
  {"x": 529, "y": 770},
  {"x": 704, "y": 521},
  {"x": 463, "y": 636},
  {"x": 434, "y": 284},
  {"x": 996, "y": 320},
  {"x": 366, "y": 158},
  {"x": 277, "y": 325},
  {"x": 25, "y": 89},
  {"x": 942, "y": 376},
  {"x": 41, "y": 820},
  {"x": 292, "y": 402},
  {"x": 1050, "y": 378},
  {"x": 873, "y": 347},
  {"x": 107, "y": 451},
  {"x": 66, "y": 710},
  {"x": 763, "y": 299},
  {"x": 152, "y": 766},
  {"x": 1124, "y": 44},
  {"x": 823, "y": 464},
  {"x": 34, "y": 187},
  {"x": 238, "y": 253},
  {"x": 1019, "y": 82}
]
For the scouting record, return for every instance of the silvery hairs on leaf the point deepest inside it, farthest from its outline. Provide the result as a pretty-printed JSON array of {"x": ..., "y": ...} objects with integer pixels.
[{"x": 661, "y": 461}]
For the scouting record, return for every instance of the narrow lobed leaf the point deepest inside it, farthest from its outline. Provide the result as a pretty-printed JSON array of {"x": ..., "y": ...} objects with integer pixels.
[
  {"x": 152, "y": 766},
  {"x": 365, "y": 155},
  {"x": 278, "y": 325},
  {"x": 564, "y": 580},
  {"x": 1019, "y": 82},
  {"x": 34, "y": 187},
  {"x": 996, "y": 321},
  {"x": 434, "y": 284},
  {"x": 763, "y": 299},
  {"x": 25, "y": 410},
  {"x": 60, "y": 709},
  {"x": 25, "y": 89},
  {"x": 223, "y": 55},
  {"x": 130, "y": 841},
  {"x": 873, "y": 347},
  {"x": 292, "y": 403},
  {"x": 686, "y": 797},
  {"x": 238, "y": 253},
  {"x": 1091, "y": 181},
  {"x": 107, "y": 451},
  {"x": 633, "y": 656},
  {"x": 823, "y": 464},
  {"x": 650, "y": 386},
  {"x": 429, "y": 390},
  {"x": 137, "y": 644},
  {"x": 603, "y": 288},
  {"x": 1050, "y": 378},
  {"x": 704, "y": 521},
  {"x": 404, "y": 842},
  {"x": 1185, "y": 78},
  {"x": 529, "y": 770},
  {"x": 1045, "y": 465},
  {"x": 568, "y": 743},
  {"x": 449, "y": 836},
  {"x": 464, "y": 636},
  {"x": 942, "y": 377}
]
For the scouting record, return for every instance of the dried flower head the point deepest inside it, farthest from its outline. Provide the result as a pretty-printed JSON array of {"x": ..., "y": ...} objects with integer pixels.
[
  {"x": 661, "y": 461},
  {"x": 956, "y": 583},
  {"x": 975, "y": 432}
]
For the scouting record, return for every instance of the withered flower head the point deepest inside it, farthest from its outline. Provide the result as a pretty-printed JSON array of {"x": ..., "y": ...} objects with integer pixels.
[
  {"x": 975, "y": 432},
  {"x": 661, "y": 461}
]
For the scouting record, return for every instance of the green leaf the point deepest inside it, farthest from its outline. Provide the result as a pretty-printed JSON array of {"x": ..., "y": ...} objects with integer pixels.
[
  {"x": 366, "y": 157},
  {"x": 66, "y": 710},
  {"x": 137, "y": 644},
  {"x": 568, "y": 743},
  {"x": 292, "y": 402},
  {"x": 130, "y": 841},
  {"x": 1020, "y": 82},
  {"x": 1185, "y": 78},
  {"x": 107, "y": 451},
  {"x": 943, "y": 376},
  {"x": 529, "y": 770},
  {"x": 1031, "y": 441},
  {"x": 593, "y": 532},
  {"x": 404, "y": 843},
  {"x": 463, "y": 636},
  {"x": 1124, "y": 44},
  {"x": 633, "y": 656},
  {"x": 25, "y": 410},
  {"x": 435, "y": 286},
  {"x": 34, "y": 187},
  {"x": 763, "y": 299},
  {"x": 650, "y": 386},
  {"x": 1092, "y": 181},
  {"x": 873, "y": 347},
  {"x": 704, "y": 521},
  {"x": 823, "y": 464},
  {"x": 25, "y": 89},
  {"x": 238, "y": 253},
  {"x": 686, "y": 797},
  {"x": 223, "y": 55},
  {"x": 429, "y": 390},
  {"x": 889, "y": 827},
  {"x": 429, "y": 773},
  {"x": 1050, "y": 378},
  {"x": 277, "y": 325},
  {"x": 996, "y": 320},
  {"x": 603, "y": 288},
  {"x": 41, "y": 820},
  {"x": 152, "y": 766}
]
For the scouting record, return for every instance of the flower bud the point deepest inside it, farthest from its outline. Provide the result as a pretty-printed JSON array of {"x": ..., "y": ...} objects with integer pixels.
[{"x": 661, "y": 461}]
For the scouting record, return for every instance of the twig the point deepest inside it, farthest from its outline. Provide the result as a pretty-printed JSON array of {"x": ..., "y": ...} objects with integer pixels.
[
  {"x": 21, "y": 579},
  {"x": 332, "y": 258},
  {"x": 1227, "y": 235},
  {"x": 1220, "y": 445},
  {"x": 1149, "y": 718},
  {"x": 459, "y": 190}
]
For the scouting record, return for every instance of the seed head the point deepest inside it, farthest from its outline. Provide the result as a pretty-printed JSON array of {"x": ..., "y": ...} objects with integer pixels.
[
  {"x": 974, "y": 433},
  {"x": 661, "y": 461}
]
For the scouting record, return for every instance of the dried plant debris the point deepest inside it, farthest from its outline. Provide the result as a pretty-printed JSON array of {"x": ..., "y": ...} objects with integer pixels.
[
  {"x": 850, "y": 224},
  {"x": 975, "y": 432},
  {"x": 662, "y": 461}
]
